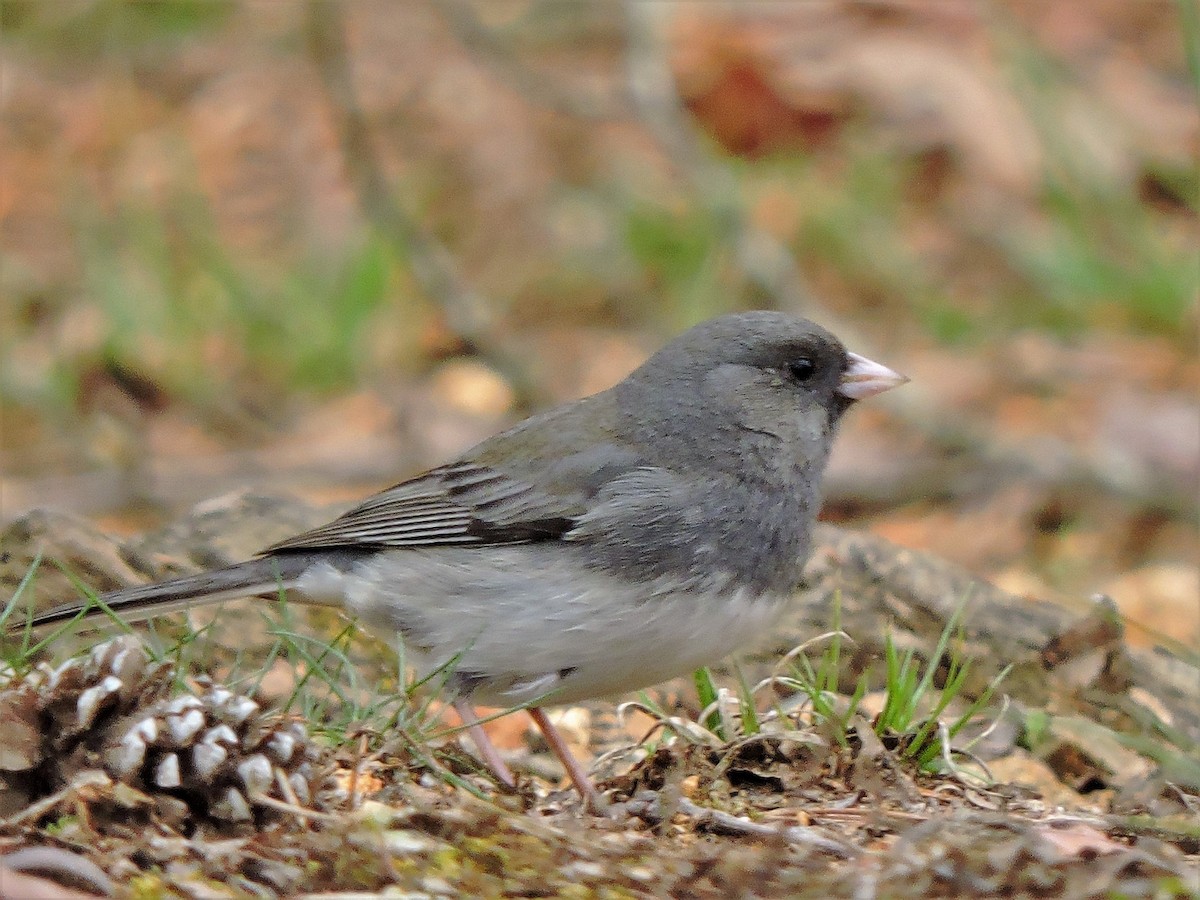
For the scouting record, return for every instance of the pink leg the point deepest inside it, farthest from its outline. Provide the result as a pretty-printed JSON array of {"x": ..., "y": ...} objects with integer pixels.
[
  {"x": 578, "y": 776},
  {"x": 487, "y": 750}
]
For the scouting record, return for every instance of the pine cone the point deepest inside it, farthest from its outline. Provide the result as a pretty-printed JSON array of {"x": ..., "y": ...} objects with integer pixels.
[{"x": 210, "y": 756}]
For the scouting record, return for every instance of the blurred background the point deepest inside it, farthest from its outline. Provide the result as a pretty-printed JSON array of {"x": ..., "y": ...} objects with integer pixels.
[{"x": 315, "y": 248}]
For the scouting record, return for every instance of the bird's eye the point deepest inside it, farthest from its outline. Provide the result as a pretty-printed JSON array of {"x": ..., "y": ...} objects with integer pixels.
[{"x": 802, "y": 369}]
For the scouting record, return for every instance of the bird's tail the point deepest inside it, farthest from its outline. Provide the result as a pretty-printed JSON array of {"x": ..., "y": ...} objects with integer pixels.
[{"x": 265, "y": 576}]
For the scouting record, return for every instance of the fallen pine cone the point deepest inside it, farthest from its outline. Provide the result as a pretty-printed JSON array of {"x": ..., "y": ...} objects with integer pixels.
[{"x": 212, "y": 756}]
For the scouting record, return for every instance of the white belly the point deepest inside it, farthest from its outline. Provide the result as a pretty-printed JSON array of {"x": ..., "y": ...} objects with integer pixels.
[{"x": 525, "y": 628}]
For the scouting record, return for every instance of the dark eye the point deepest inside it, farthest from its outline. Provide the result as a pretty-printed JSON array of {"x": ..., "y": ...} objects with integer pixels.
[{"x": 802, "y": 369}]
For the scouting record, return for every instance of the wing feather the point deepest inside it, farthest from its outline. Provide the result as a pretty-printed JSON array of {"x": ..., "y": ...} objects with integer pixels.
[{"x": 464, "y": 503}]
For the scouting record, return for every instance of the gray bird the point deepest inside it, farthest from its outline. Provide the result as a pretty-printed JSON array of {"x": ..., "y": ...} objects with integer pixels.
[{"x": 603, "y": 546}]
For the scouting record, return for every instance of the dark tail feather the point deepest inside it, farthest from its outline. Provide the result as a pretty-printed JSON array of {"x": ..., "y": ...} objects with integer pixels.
[{"x": 266, "y": 576}]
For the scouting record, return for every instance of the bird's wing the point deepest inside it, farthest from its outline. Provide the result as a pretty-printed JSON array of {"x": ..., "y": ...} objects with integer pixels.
[{"x": 462, "y": 503}]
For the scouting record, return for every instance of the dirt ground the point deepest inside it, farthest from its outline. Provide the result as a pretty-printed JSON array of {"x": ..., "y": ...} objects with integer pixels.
[{"x": 1084, "y": 783}]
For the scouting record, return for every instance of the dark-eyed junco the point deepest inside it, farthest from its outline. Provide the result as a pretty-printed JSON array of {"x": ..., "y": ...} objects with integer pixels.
[{"x": 602, "y": 546}]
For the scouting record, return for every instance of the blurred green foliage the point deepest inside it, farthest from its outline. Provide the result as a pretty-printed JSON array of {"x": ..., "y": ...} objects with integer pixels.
[
  {"x": 83, "y": 30},
  {"x": 173, "y": 295}
]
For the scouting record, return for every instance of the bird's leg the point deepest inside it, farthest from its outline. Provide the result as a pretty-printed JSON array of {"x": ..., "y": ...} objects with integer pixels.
[
  {"x": 483, "y": 744},
  {"x": 578, "y": 776}
]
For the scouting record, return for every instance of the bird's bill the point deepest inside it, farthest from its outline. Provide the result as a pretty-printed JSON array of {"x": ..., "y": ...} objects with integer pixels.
[{"x": 866, "y": 378}]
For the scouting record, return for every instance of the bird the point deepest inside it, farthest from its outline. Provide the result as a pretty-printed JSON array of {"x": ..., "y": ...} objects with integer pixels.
[{"x": 602, "y": 546}]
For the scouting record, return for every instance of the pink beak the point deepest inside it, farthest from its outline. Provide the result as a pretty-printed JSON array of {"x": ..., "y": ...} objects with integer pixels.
[{"x": 865, "y": 378}]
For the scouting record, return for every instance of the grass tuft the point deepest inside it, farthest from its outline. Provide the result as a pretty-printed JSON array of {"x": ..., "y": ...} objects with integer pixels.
[{"x": 914, "y": 713}]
